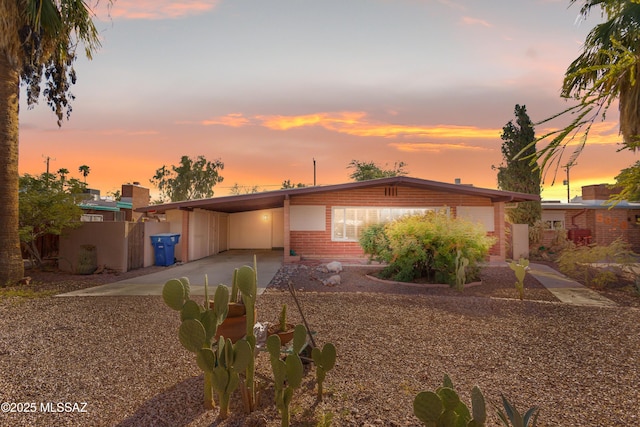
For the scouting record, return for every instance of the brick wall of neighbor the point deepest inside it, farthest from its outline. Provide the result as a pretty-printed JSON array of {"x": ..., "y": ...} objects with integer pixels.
[
  {"x": 606, "y": 225},
  {"x": 612, "y": 224},
  {"x": 139, "y": 198},
  {"x": 318, "y": 244}
]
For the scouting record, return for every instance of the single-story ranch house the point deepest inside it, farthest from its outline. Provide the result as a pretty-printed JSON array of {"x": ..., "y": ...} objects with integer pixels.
[{"x": 325, "y": 221}]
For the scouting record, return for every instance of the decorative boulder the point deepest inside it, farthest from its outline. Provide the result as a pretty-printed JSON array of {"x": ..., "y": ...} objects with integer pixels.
[
  {"x": 334, "y": 267},
  {"x": 332, "y": 281}
]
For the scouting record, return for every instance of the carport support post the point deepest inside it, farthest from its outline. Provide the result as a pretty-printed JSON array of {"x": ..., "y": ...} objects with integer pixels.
[
  {"x": 287, "y": 229},
  {"x": 184, "y": 239},
  {"x": 500, "y": 219}
]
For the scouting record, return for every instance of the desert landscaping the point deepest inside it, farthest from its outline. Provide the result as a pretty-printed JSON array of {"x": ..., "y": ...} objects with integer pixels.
[{"x": 119, "y": 360}]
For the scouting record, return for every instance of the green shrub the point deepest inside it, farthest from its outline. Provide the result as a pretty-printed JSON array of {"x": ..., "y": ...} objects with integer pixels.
[
  {"x": 580, "y": 263},
  {"x": 426, "y": 246},
  {"x": 375, "y": 243}
]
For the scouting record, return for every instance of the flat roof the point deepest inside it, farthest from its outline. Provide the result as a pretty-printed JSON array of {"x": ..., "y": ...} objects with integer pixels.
[{"x": 276, "y": 198}]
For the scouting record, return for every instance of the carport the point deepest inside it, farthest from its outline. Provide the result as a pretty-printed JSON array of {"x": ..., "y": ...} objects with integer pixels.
[{"x": 212, "y": 226}]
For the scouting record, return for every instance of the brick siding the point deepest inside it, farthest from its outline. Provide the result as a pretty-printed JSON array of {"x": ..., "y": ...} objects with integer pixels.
[{"x": 318, "y": 244}]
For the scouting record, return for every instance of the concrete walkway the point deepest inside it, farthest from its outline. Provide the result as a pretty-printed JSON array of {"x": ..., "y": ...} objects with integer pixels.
[
  {"x": 567, "y": 290},
  {"x": 218, "y": 268}
]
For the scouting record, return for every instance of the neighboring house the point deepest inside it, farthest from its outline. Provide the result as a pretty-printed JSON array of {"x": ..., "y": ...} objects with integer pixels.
[
  {"x": 114, "y": 229},
  {"x": 325, "y": 221},
  {"x": 588, "y": 219},
  {"x": 99, "y": 210}
]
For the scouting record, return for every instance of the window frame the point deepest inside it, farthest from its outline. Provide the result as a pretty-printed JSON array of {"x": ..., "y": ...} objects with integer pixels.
[{"x": 392, "y": 213}]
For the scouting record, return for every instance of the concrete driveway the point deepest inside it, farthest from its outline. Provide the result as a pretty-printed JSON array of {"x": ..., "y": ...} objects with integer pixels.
[{"x": 218, "y": 268}]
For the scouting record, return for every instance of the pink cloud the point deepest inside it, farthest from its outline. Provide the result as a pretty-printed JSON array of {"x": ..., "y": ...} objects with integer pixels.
[
  {"x": 467, "y": 20},
  {"x": 160, "y": 9},
  {"x": 233, "y": 120}
]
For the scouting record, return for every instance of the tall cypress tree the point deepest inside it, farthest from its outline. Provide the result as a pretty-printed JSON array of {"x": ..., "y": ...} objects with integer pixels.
[{"x": 517, "y": 173}]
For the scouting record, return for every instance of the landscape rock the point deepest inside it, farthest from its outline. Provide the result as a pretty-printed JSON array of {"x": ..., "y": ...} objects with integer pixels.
[
  {"x": 332, "y": 281},
  {"x": 334, "y": 267}
]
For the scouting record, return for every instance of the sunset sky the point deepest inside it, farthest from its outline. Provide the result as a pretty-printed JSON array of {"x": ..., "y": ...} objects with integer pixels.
[{"x": 268, "y": 86}]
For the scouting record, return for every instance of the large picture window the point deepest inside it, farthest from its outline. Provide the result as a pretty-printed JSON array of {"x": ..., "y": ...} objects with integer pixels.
[{"x": 347, "y": 223}]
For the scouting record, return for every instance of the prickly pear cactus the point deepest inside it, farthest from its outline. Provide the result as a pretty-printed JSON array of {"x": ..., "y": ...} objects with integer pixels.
[
  {"x": 324, "y": 360},
  {"x": 287, "y": 376},
  {"x": 299, "y": 338},
  {"x": 199, "y": 324},
  {"x": 445, "y": 409},
  {"x": 245, "y": 279}
]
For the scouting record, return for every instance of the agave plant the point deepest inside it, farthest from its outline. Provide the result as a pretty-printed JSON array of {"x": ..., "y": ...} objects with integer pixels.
[{"x": 510, "y": 417}]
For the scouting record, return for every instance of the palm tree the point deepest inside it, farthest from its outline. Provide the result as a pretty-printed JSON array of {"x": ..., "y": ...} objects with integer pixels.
[
  {"x": 84, "y": 170},
  {"x": 38, "y": 40},
  {"x": 63, "y": 172},
  {"x": 608, "y": 69}
]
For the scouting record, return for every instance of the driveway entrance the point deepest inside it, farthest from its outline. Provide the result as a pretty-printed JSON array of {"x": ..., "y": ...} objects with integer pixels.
[{"x": 218, "y": 268}]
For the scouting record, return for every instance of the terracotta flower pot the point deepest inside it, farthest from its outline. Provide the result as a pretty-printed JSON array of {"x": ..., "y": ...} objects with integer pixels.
[
  {"x": 235, "y": 325},
  {"x": 285, "y": 336}
]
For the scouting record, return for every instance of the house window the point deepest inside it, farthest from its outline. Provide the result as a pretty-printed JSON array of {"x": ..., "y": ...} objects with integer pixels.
[
  {"x": 553, "y": 220},
  {"x": 348, "y": 223}
]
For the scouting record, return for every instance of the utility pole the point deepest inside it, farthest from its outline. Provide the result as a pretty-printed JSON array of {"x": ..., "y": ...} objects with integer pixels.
[
  {"x": 314, "y": 171},
  {"x": 46, "y": 177},
  {"x": 46, "y": 160},
  {"x": 566, "y": 182}
]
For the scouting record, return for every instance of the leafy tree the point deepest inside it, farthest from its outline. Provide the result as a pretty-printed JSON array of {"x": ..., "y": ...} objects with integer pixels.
[
  {"x": 192, "y": 179},
  {"x": 364, "y": 171},
  {"x": 238, "y": 189},
  {"x": 116, "y": 195},
  {"x": 84, "y": 170},
  {"x": 38, "y": 42},
  {"x": 517, "y": 173},
  {"x": 47, "y": 206},
  {"x": 629, "y": 181},
  {"x": 607, "y": 70},
  {"x": 287, "y": 184}
]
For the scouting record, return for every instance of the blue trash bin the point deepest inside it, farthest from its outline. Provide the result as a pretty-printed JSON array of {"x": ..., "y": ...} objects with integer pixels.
[{"x": 164, "y": 248}]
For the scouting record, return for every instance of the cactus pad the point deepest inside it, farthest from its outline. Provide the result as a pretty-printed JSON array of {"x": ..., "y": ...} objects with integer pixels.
[
  {"x": 192, "y": 335},
  {"x": 174, "y": 294},
  {"x": 427, "y": 406}
]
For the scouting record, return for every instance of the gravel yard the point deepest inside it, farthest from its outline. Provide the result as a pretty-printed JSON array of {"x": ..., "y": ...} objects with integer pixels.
[{"x": 121, "y": 355}]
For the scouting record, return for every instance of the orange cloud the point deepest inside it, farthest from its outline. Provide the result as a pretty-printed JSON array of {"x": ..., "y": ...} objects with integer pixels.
[
  {"x": 331, "y": 121},
  {"x": 601, "y": 133},
  {"x": 129, "y": 132},
  {"x": 235, "y": 120},
  {"x": 355, "y": 123},
  {"x": 157, "y": 9},
  {"x": 414, "y": 147}
]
